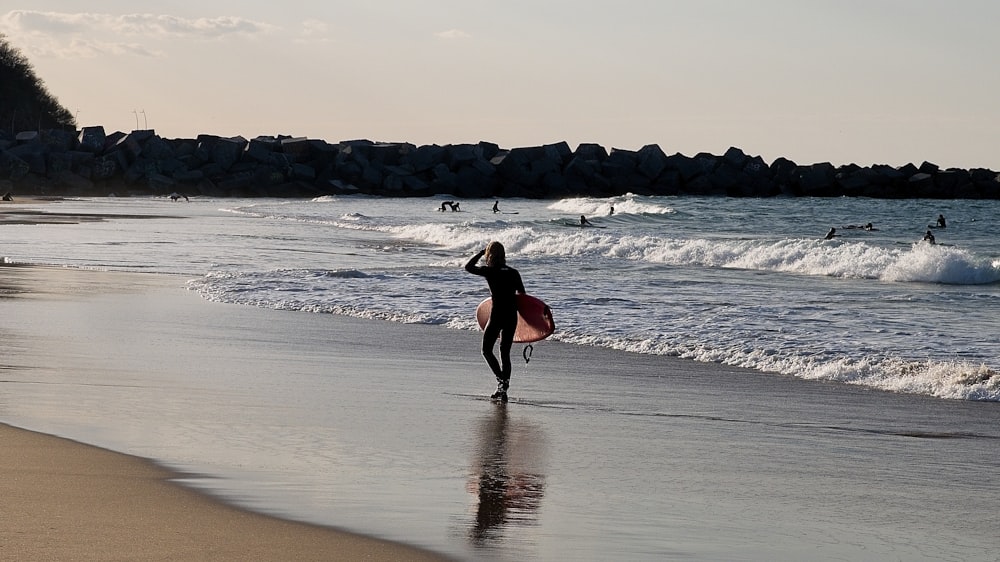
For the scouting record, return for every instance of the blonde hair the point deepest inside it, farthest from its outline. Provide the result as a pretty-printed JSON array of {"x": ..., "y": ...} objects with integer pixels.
[{"x": 496, "y": 256}]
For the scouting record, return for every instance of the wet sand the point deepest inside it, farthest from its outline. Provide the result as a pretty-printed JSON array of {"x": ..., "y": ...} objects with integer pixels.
[
  {"x": 65, "y": 500},
  {"x": 381, "y": 428}
]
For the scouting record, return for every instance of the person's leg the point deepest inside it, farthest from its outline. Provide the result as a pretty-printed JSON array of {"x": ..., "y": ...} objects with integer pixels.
[
  {"x": 506, "y": 342},
  {"x": 490, "y": 335}
]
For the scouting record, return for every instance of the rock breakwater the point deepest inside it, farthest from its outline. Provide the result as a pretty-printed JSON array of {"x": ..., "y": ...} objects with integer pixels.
[{"x": 91, "y": 162}]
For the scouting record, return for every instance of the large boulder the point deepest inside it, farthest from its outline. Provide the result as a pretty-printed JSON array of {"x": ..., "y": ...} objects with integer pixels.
[
  {"x": 222, "y": 151},
  {"x": 651, "y": 161},
  {"x": 425, "y": 157},
  {"x": 817, "y": 180},
  {"x": 591, "y": 151},
  {"x": 12, "y": 167},
  {"x": 91, "y": 139}
]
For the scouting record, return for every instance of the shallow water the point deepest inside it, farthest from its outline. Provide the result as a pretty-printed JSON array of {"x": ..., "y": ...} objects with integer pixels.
[
  {"x": 734, "y": 281},
  {"x": 383, "y": 428}
]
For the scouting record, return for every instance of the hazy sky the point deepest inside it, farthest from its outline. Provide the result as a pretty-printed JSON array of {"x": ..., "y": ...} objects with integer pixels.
[{"x": 866, "y": 81}]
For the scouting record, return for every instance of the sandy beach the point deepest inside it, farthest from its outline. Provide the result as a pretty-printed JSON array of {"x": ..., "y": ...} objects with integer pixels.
[
  {"x": 381, "y": 429},
  {"x": 65, "y": 500}
]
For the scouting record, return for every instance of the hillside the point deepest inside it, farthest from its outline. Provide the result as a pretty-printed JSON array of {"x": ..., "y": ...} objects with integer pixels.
[{"x": 25, "y": 103}]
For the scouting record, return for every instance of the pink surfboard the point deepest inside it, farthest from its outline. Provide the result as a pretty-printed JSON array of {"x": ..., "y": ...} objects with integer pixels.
[{"x": 534, "y": 318}]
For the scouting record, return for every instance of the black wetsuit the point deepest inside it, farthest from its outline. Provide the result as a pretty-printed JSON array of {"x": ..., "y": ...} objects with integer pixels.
[{"x": 504, "y": 282}]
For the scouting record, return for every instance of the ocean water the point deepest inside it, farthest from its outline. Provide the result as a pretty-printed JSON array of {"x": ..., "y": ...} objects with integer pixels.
[
  {"x": 748, "y": 283},
  {"x": 733, "y": 386}
]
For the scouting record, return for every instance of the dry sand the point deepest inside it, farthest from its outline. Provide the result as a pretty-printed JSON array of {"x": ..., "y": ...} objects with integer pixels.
[{"x": 64, "y": 500}]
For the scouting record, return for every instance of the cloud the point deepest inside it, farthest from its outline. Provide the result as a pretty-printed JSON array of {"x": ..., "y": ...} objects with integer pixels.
[
  {"x": 84, "y": 35},
  {"x": 452, "y": 34},
  {"x": 314, "y": 27},
  {"x": 155, "y": 25},
  {"x": 313, "y": 31}
]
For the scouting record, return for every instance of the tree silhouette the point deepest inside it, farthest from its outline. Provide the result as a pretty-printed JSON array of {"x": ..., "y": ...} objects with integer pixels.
[{"x": 25, "y": 103}]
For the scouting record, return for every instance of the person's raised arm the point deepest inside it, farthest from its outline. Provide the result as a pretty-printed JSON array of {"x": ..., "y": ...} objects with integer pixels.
[{"x": 471, "y": 265}]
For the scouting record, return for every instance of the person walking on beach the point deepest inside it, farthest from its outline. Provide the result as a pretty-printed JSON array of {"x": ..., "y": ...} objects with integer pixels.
[
  {"x": 504, "y": 282},
  {"x": 496, "y": 207}
]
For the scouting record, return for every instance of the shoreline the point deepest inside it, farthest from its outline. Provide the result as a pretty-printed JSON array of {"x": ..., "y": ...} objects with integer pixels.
[
  {"x": 344, "y": 439},
  {"x": 67, "y": 499}
]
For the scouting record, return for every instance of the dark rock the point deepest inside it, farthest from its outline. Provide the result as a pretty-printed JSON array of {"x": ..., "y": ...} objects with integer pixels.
[
  {"x": 686, "y": 167},
  {"x": 459, "y": 154},
  {"x": 155, "y": 148},
  {"x": 426, "y": 157},
  {"x": 735, "y": 158},
  {"x": 58, "y": 163},
  {"x": 303, "y": 172},
  {"x": 559, "y": 152},
  {"x": 12, "y": 168},
  {"x": 929, "y": 168},
  {"x": 141, "y": 162},
  {"x": 188, "y": 176},
  {"x": 619, "y": 163},
  {"x": 297, "y": 149},
  {"x": 91, "y": 139},
  {"x": 652, "y": 161},
  {"x": 590, "y": 151},
  {"x": 226, "y": 152},
  {"x": 59, "y": 140},
  {"x": 817, "y": 180},
  {"x": 33, "y": 154},
  {"x": 921, "y": 185},
  {"x": 581, "y": 167}
]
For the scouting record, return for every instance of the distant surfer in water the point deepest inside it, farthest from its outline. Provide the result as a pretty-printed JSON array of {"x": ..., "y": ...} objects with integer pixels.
[
  {"x": 929, "y": 238},
  {"x": 941, "y": 222},
  {"x": 830, "y": 235},
  {"x": 504, "y": 282},
  {"x": 452, "y": 204},
  {"x": 584, "y": 221},
  {"x": 869, "y": 227},
  {"x": 496, "y": 206}
]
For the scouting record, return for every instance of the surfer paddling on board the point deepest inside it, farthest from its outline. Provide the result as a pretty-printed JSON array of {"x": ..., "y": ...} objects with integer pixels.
[{"x": 504, "y": 282}]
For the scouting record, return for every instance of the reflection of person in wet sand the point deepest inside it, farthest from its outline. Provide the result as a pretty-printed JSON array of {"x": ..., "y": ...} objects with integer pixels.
[{"x": 507, "y": 477}]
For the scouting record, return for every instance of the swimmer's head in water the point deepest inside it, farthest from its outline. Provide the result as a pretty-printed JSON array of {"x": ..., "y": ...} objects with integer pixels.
[{"x": 495, "y": 255}]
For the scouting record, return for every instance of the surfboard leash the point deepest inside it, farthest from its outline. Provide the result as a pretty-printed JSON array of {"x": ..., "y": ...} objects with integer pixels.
[{"x": 526, "y": 353}]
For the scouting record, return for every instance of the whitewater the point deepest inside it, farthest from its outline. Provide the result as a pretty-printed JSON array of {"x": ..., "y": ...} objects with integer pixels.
[{"x": 743, "y": 282}]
